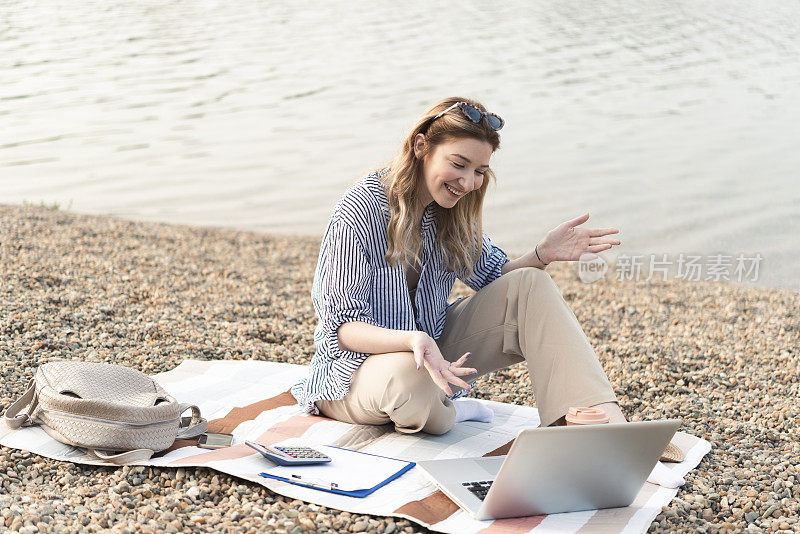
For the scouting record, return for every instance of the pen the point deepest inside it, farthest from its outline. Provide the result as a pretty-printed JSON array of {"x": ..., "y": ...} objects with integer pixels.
[{"x": 315, "y": 483}]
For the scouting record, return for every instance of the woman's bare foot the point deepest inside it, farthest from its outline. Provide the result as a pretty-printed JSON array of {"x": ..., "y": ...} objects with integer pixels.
[{"x": 561, "y": 421}]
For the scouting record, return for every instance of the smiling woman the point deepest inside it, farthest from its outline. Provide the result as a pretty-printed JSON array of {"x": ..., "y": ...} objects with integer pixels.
[
  {"x": 388, "y": 344},
  {"x": 446, "y": 149},
  {"x": 449, "y": 169}
]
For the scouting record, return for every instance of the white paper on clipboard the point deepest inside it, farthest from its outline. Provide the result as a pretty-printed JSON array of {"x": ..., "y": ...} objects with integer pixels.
[{"x": 348, "y": 470}]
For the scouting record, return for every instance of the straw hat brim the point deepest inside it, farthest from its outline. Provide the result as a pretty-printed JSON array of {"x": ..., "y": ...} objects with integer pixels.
[{"x": 672, "y": 453}]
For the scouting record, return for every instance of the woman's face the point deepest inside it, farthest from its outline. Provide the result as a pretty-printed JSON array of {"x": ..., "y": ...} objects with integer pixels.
[{"x": 453, "y": 169}]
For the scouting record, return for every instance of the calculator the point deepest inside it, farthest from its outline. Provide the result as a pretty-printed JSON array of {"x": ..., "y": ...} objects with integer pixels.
[{"x": 285, "y": 455}]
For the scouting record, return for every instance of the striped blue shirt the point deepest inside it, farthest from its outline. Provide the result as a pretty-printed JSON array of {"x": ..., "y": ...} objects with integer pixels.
[{"x": 354, "y": 282}]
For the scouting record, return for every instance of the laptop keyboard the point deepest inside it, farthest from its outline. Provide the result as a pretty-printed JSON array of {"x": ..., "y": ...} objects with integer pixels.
[{"x": 479, "y": 489}]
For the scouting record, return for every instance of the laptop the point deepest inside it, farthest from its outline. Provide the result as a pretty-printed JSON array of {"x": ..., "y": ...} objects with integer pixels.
[{"x": 556, "y": 469}]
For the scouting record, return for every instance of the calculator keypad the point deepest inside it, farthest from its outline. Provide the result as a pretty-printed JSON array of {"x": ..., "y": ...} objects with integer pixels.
[
  {"x": 287, "y": 455},
  {"x": 301, "y": 452}
]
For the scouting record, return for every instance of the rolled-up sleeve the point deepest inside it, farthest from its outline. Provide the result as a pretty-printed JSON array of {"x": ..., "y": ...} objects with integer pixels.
[
  {"x": 489, "y": 266},
  {"x": 345, "y": 287}
]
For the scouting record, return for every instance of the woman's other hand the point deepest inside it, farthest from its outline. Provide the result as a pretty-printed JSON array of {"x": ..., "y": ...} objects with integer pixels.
[
  {"x": 566, "y": 242},
  {"x": 427, "y": 353}
]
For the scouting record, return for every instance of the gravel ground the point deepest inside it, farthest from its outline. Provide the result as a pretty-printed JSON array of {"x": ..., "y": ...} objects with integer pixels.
[{"x": 721, "y": 357}]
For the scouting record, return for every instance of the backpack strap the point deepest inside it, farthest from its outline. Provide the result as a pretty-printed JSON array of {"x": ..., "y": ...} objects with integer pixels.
[
  {"x": 15, "y": 421},
  {"x": 197, "y": 425},
  {"x": 123, "y": 458}
]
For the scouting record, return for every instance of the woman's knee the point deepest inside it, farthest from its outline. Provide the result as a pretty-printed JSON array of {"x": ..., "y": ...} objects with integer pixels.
[
  {"x": 398, "y": 371},
  {"x": 532, "y": 273},
  {"x": 531, "y": 278},
  {"x": 410, "y": 397}
]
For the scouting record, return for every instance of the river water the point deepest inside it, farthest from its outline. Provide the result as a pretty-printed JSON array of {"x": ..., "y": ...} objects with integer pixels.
[{"x": 677, "y": 122}]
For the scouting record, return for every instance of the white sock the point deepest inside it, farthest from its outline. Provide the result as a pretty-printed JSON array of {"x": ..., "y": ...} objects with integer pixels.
[
  {"x": 663, "y": 476},
  {"x": 472, "y": 410}
]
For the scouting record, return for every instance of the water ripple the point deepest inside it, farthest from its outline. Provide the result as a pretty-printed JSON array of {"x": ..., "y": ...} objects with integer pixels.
[{"x": 646, "y": 115}]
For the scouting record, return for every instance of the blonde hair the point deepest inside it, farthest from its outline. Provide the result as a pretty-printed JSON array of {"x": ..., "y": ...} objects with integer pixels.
[{"x": 460, "y": 228}]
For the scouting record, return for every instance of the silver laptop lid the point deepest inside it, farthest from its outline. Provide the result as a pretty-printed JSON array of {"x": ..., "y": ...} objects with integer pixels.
[{"x": 564, "y": 469}]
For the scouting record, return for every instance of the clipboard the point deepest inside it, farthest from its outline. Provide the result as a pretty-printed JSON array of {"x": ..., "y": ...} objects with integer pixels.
[{"x": 339, "y": 476}]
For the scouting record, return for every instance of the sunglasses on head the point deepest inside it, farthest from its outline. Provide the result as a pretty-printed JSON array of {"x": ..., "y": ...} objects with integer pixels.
[{"x": 474, "y": 114}]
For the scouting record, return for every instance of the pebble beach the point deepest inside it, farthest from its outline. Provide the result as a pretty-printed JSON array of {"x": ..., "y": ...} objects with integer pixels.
[{"x": 720, "y": 356}]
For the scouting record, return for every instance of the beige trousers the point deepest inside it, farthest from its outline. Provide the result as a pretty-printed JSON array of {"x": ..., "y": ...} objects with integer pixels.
[{"x": 521, "y": 316}]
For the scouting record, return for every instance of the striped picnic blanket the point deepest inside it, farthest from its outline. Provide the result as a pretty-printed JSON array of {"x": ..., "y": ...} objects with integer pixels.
[{"x": 250, "y": 399}]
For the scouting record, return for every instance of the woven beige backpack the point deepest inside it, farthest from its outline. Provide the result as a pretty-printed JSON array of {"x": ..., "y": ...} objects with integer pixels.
[{"x": 104, "y": 408}]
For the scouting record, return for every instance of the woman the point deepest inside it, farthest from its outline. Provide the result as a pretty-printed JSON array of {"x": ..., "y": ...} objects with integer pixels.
[{"x": 388, "y": 345}]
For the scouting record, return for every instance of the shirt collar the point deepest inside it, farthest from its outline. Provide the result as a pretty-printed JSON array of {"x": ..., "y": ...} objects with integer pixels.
[{"x": 375, "y": 185}]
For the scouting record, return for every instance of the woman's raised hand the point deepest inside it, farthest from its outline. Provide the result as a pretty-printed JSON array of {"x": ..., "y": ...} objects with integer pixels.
[
  {"x": 566, "y": 242},
  {"x": 427, "y": 353}
]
